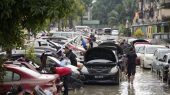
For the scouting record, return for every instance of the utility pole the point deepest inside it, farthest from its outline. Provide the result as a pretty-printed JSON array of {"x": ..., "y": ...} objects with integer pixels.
[{"x": 142, "y": 3}]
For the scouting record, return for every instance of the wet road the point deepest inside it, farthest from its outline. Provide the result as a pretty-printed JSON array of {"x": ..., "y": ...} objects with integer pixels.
[{"x": 145, "y": 83}]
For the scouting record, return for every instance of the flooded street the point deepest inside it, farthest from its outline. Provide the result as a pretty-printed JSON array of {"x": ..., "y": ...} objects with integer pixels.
[{"x": 146, "y": 83}]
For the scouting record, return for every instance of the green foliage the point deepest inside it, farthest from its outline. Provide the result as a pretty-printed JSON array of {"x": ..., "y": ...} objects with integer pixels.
[
  {"x": 32, "y": 15},
  {"x": 101, "y": 8},
  {"x": 114, "y": 12},
  {"x": 2, "y": 73},
  {"x": 87, "y": 3},
  {"x": 124, "y": 31},
  {"x": 30, "y": 53},
  {"x": 138, "y": 33}
]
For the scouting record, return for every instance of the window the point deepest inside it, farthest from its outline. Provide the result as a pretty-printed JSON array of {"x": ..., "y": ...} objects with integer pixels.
[
  {"x": 156, "y": 53},
  {"x": 37, "y": 60},
  {"x": 165, "y": 58},
  {"x": 50, "y": 62},
  {"x": 16, "y": 77},
  {"x": 43, "y": 43},
  {"x": 11, "y": 76}
]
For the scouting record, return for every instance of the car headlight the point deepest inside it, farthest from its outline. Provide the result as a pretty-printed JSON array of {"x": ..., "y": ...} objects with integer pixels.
[
  {"x": 114, "y": 70},
  {"x": 84, "y": 70}
]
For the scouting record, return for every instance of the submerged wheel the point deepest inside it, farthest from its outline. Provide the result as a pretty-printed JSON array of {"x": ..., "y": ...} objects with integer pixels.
[
  {"x": 152, "y": 69},
  {"x": 118, "y": 79},
  {"x": 168, "y": 80}
]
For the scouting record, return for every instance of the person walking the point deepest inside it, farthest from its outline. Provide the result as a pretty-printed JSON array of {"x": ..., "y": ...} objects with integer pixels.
[
  {"x": 131, "y": 65},
  {"x": 83, "y": 43},
  {"x": 70, "y": 55}
]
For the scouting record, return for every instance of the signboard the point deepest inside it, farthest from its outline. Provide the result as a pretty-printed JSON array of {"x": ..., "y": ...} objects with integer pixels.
[{"x": 91, "y": 22}]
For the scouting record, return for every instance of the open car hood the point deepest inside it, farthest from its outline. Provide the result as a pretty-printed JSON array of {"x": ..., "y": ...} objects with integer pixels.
[
  {"x": 112, "y": 46},
  {"x": 99, "y": 53},
  {"x": 140, "y": 41}
]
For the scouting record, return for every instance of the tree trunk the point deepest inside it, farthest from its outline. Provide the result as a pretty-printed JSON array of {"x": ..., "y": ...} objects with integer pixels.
[
  {"x": 9, "y": 53},
  {"x": 59, "y": 28},
  {"x": 81, "y": 19},
  {"x": 62, "y": 24},
  {"x": 70, "y": 22}
]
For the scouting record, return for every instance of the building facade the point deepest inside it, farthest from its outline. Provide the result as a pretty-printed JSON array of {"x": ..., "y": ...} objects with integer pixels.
[{"x": 153, "y": 17}]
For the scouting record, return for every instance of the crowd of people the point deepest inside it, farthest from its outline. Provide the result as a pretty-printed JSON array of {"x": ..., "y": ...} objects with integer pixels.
[
  {"x": 89, "y": 42},
  {"x": 129, "y": 61}
]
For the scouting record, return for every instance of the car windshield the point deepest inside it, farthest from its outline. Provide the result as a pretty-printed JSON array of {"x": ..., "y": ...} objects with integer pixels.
[
  {"x": 151, "y": 50},
  {"x": 137, "y": 48},
  {"x": 162, "y": 53},
  {"x": 54, "y": 59}
]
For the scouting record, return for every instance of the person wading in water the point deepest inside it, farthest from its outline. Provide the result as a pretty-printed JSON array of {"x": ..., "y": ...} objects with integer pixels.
[{"x": 131, "y": 65}]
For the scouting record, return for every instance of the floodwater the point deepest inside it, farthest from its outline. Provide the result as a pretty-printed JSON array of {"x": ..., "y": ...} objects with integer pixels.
[{"x": 145, "y": 83}]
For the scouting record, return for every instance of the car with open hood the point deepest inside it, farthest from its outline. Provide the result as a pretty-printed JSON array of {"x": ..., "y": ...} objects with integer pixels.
[
  {"x": 112, "y": 46},
  {"x": 101, "y": 66},
  {"x": 140, "y": 41}
]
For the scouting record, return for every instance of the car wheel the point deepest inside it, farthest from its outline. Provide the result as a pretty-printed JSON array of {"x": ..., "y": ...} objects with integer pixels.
[
  {"x": 162, "y": 76},
  {"x": 159, "y": 73},
  {"x": 143, "y": 65},
  {"x": 151, "y": 68},
  {"x": 168, "y": 80},
  {"x": 118, "y": 80}
]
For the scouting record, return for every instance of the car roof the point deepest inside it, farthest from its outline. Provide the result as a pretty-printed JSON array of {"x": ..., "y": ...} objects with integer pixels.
[
  {"x": 22, "y": 69},
  {"x": 162, "y": 49},
  {"x": 140, "y": 44},
  {"x": 147, "y": 45}
]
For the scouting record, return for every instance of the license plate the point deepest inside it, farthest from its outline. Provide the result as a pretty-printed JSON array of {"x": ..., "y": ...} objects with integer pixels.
[{"x": 98, "y": 77}]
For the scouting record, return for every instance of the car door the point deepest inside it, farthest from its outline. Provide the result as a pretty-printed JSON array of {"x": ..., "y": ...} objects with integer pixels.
[
  {"x": 155, "y": 60},
  {"x": 142, "y": 52},
  {"x": 164, "y": 61}
]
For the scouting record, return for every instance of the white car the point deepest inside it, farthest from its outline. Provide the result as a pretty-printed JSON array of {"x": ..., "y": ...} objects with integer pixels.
[
  {"x": 164, "y": 68},
  {"x": 138, "y": 48},
  {"x": 146, "y": 58},
  {"x": 158, "y": 55}
]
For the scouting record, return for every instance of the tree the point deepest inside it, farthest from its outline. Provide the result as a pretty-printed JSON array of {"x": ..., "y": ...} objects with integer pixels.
[
  {"x": 117, "y": 16},
  {"x": 77, "y": 11},
  {"x": 32, "y": 15},
  {"x": 101, "y": 8},
  {"x": 88, "y": 3},
  {"x": 122, "y": 12},
  {"x": 138, "y": 33}
]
